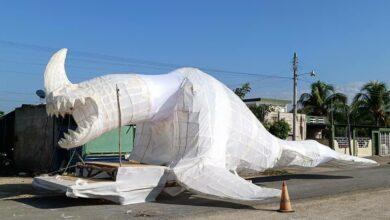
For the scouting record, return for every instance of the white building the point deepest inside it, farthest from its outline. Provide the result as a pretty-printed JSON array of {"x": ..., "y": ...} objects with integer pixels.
[
  {"x": 280, "y": 111},
  {"x": 278, "y": 105}
]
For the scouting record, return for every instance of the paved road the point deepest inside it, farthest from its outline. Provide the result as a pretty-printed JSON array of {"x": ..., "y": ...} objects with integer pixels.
[
  {"x": 367, "y": 204},
  {"x": 311, "y": 184},
  {"x": 15, "y": 202}
]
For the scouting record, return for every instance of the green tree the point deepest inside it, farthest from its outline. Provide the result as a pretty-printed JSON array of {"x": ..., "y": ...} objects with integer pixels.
[
  {"x": 1, "y": 113},
  {"x": 280, "y": 129},
  {"x": 243, "y": 90},
  {"x": 373, "y": 100},
  {"x": 321, "y": 99},
  {"x": 260, "y": 111}
]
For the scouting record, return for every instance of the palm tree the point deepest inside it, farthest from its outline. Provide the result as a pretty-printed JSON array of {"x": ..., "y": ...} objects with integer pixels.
[
  {"x": 243, "y": 90},
  {"x": 373, "y": 99},
  {"x": 321, "y": 99}
]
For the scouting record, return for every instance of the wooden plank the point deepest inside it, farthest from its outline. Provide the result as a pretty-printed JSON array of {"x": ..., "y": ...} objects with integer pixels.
[
  {"x": 116, "y": 165},
  {"x": 88, "y": 180}
]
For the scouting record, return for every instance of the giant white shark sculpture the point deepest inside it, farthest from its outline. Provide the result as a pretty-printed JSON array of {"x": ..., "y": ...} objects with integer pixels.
[{"x": 186, "y": 120}]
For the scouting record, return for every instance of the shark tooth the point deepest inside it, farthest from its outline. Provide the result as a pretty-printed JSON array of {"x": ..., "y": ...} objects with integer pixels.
[
  {"x": 82, "y": 100},
  {"x": 62, "y": 141},
  {"x": 52, "y": 110},
  {"x": 71, "y": 103},
  {"x": 67, "y": 136},
  {"x": 49, "y": 111},
  {"x": 63, "y": 107},
  {"x": 72, "y": 133},
  {"x": 82, "y": 130},
  {"x": 58, "y": 105}
]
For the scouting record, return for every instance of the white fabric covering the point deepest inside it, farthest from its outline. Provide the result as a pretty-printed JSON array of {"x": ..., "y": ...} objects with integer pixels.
[
  {"x": 190, "y": 122},
  {"x": 126, "y": 189}
]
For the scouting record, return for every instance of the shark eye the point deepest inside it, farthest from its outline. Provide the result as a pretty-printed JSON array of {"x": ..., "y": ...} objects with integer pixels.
[{"x": 71, "y": 108}]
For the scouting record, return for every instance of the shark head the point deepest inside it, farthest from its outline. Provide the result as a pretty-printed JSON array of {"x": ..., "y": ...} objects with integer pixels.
[
  {"x": 64, "y": 97},
  {"x": 92, "y": 103}
]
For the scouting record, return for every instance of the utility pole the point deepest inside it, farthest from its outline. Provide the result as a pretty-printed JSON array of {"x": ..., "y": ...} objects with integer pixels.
[
  {"x": 119, "y": 126},
  {"x": 332, "y": 126},
  {"x": 348, "y": 130},
  {"x": 295, "y": 68}
]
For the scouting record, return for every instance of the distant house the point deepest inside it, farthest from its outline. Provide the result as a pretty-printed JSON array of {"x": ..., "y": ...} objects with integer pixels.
[
  {"x": 279, "y": 105},
  {"x": 279, "y": 112}
]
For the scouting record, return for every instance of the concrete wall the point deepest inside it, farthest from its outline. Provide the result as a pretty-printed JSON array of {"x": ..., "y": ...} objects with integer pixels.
[
  {"x": 343, "y": 150},
  {"x": 288, "y": 117},
  {"x": 365, "y": 151},
  {"x": 7, "y": 137},
  {"x": 35, "y": 139},
  {"x": 360, "y": 151}
]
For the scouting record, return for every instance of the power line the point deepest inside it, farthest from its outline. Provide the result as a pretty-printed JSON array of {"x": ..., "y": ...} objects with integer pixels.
[
  {"x": 131, "y": 60},
  {"x": 257, "y": 80},
  {"x": 17, "y": 93},
  {"x": 42, "y": 64},
  {"x": 15, "y": 100},
  {"x": 36, "y": 75},
  {"x": 39, "y": 75},
  {"x": 97, "y": 68}
]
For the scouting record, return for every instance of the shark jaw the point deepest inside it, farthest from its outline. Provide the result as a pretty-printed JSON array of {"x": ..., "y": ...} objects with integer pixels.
[
  {"x": 93, "y": 103},
  {"x": 84, "y": 112},
  {"x": 62, "y": 98}
]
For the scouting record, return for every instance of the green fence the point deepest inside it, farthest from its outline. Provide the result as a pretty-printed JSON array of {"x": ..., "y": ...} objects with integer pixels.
[{"x": 107, "y": 144}]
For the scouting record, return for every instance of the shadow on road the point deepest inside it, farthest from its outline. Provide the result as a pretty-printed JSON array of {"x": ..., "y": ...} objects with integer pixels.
[
  {"x": 188, "y": 199},
  {"x": 17, "y": 189},
  {"x": 56, "y": 202},
  {"x": 28, "y": 195},
  {"x": 297, "y": 176}
]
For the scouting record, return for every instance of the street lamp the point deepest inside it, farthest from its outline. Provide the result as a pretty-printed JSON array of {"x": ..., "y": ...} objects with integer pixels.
[{"x": 311, "y": 73}]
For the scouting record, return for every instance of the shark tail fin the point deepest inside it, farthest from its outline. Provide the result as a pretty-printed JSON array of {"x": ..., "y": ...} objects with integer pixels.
[{"x": 310, "y": 153}]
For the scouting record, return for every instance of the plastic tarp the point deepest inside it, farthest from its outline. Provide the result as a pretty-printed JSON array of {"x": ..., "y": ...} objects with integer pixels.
[
  {"x": 126, "y": 189},
  {"x": 211, "y": 134},
  {"x": 188, "y": 121}
]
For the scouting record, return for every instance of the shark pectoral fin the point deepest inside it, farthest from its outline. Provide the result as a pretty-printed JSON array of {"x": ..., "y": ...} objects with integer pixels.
[{"x": 217, "y": 182}]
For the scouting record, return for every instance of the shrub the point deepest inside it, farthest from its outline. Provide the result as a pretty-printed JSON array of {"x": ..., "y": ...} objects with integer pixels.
[{"x": 280, "y": 129}]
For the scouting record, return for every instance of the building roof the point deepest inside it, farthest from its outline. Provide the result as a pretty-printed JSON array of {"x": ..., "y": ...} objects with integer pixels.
[{"x": 268, "y": 101}]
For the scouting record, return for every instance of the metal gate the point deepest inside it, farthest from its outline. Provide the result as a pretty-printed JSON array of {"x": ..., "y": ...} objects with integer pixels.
[{"x": 384, "y": 142}]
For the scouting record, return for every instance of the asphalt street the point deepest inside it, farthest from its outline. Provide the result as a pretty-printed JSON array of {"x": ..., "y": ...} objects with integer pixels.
[{"x": 20, "y": 201}]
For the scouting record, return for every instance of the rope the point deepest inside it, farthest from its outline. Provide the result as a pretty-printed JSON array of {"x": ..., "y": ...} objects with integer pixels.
[
  {"x": 70, "y": 160},
  {"x": 59, "y": 170}
]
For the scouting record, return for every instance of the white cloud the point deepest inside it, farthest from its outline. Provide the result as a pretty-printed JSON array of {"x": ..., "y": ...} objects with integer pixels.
[{"x": 350, "y": 89}]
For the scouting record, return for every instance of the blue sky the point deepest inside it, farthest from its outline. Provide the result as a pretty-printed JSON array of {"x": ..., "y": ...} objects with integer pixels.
[{"x": 346, "y": 42}]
